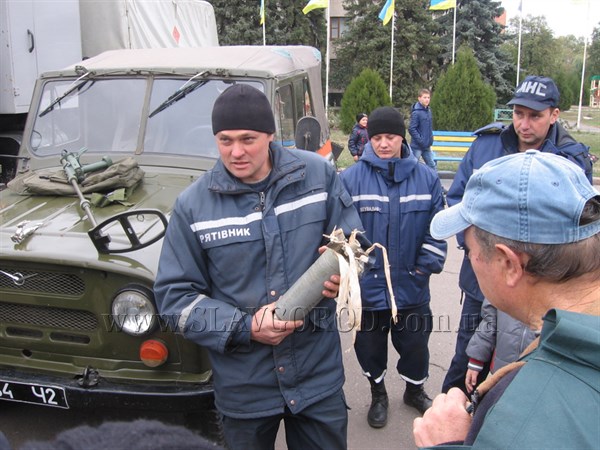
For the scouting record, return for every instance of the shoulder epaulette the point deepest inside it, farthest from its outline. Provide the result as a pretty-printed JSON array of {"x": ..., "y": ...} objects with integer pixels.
[{"x": 491, "y": 128}]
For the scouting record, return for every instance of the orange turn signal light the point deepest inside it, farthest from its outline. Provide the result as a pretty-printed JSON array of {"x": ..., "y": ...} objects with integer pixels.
[{"x": 153, "y": 353}]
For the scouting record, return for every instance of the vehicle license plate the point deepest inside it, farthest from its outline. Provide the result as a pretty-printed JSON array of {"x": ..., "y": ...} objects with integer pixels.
[{"x": 33, "y": 393}]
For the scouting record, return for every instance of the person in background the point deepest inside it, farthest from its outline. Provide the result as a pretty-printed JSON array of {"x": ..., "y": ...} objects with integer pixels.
[
  {"x": 534, "y": 126},
  {"x": 421, "y": 128},
  {"x": 531, "y": 224},
  {"x": 359, "y": 136},
  {"x": 396, "y": 197},
  {"x": 498, "y": 340},
  {"x": 238, "y": 239}
]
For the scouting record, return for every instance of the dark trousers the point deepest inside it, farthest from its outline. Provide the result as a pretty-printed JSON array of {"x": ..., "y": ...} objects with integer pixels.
[
  {"x": 410, "y": 338},
  {"x": 469, "y": 320},
  {"x": 321, "y": 425}
]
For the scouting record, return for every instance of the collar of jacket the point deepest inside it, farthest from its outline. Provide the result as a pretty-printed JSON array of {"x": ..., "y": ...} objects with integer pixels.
[
  {"x": 285, "y": 165},
  {"x": 418, "y": 105},
  {"x": 401, "y": 168}
]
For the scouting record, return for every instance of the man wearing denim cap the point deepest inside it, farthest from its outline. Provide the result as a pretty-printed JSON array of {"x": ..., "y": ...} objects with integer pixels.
[
  {"x": 532, "y": 228},
  {"x": 534, "y": 126}
]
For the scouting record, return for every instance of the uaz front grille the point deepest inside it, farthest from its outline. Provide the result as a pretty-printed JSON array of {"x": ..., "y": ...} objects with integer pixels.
[
  {"x": 46, "y": 316},
  {"x": 37, "y": 281}
]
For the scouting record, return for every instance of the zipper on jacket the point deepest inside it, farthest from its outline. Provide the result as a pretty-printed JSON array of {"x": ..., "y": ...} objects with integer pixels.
[{"x": 261, "y": 205}]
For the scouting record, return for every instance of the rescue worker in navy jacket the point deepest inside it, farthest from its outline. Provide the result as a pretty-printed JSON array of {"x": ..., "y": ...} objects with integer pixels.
[
  {"x": 396, "y": 198},
  {"x": 534, "y": 126},
  {"x": 238, "y": 238}
]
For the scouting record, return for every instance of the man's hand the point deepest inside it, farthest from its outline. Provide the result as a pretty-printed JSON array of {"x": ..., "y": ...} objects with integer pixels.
[
  {"x": 267, "y": 329},
  {"x": 446, "y": 421},
  {"x": 332, "y": 286}
]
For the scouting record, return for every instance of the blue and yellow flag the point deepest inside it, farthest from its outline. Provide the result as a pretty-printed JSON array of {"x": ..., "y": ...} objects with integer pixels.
[
  {"x": 387, "y": 12},
  {"x": 262, "y": 11},
  {"x": 314, "y": 4},
  {"x": 440, "y": 5}
]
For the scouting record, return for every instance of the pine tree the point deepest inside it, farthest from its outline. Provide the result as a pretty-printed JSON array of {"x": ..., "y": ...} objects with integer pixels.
[
  {"x": 462, "y": 100},
  {"x": 367, "y": 44},
  {"x": 365, "y": 93},
  {"x": 285, "y": 24},
  {"x": 476, "y": 27}
]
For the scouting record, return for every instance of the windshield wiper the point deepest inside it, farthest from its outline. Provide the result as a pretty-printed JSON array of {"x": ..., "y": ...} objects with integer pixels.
[
  {"x": 184, "y": 90},
  {"x": 74, "y": 87}
]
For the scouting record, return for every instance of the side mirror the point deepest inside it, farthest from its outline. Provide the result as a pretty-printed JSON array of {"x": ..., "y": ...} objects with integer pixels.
[
  {"x": 308, "y": 134},
  {"x": 129, "y": 231}
]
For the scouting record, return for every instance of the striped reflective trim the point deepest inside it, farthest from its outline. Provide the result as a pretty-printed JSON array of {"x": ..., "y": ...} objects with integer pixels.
[
  {"x": 412, "y": 198},
  {"x": 210, "y": 224},
  {"x": 433, "y": 249},
  {"x": 366, "y": 197},
  {"x": 185, "y": 314},
  {"x": 297, "y": 204}
]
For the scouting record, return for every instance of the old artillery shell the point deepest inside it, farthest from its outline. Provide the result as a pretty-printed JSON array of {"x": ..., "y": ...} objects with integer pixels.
[{"x": 306, "y": 292}]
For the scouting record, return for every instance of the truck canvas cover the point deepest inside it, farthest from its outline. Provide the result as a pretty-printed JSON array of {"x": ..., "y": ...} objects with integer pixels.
[{"x": 146, "y": 24}]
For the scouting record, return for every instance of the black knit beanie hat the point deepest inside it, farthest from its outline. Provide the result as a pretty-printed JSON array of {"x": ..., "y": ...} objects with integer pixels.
[
  {"x": 359, "y": 116},
  {"x": 386, "y": 120},
  {"x": 242, "y": 107}
]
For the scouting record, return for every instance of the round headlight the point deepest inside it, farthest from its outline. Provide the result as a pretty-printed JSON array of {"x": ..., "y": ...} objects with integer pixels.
[{"x": 134, "y": 312}]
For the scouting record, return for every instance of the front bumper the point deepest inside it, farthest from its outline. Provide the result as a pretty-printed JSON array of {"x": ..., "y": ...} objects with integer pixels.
[{"x": 52, "y": 391}]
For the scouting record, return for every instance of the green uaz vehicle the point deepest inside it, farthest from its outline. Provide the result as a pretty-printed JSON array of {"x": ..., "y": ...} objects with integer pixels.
[{"x": 108, "y": 145}]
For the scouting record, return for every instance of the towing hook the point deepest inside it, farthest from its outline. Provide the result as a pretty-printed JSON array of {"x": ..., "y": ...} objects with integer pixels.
[{"x": 89, "y": 377}]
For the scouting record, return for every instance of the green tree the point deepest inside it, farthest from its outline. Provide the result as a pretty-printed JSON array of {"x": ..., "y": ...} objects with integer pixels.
[
  {"x": 365, "y": 93},
  {"x": 462, "y": 100},
  {"x": 539, "y": 48},
  {"x": 593, "y": 54},
  {"x": 366, "y": 43},
  {"x": 239, "y": 24},
  {"x": 568, "y": 84},
  {"x": 542, "y": 54},
  {"x": 476, "y": 27}
]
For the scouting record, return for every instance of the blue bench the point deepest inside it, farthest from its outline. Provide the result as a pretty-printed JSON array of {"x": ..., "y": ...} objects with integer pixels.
[{"x": 453, "y": 142}]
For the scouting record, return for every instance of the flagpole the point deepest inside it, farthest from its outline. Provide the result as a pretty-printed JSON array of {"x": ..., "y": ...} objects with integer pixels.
[
  {"x": 454, "y": 33},
  {"x": 263, "y": 14},
  {"x": 328, "y": 35},
  {"x": 587, "y": 30},
  {"x": 519, "y": 44},
  {"x": 392, "y": 52}
]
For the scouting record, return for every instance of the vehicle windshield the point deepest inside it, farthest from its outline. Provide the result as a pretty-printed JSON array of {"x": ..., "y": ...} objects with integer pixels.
[{"x": 110, "y": 115}]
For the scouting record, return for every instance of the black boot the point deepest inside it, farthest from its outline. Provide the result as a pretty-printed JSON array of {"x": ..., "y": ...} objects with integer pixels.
[
  {"x": 416, "y": 397},
  {"x": 377, "y": 416}
]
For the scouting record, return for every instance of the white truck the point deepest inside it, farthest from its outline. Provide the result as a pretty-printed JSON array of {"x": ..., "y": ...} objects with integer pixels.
[{"x": 40, "y": 36}]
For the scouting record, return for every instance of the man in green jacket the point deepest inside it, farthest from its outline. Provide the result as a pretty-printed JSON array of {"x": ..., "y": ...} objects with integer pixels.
[{"x": 532, "y": 230}]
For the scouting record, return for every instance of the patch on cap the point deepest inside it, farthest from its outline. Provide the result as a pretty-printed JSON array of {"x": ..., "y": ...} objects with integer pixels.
[{"x": 537, "y": 93}]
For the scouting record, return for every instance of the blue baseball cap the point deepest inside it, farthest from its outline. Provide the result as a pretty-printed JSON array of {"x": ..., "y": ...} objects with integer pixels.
[
  {"x": 527, "y": 197},
  {"x": 538, "y": 93}
]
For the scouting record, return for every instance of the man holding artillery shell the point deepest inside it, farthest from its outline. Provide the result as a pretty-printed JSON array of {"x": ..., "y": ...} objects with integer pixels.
[{"x": 239, "y": 238}]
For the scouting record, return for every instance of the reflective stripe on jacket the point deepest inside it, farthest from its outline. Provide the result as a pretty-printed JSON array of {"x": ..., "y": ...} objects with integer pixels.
[{"x": 396, "y": 200}]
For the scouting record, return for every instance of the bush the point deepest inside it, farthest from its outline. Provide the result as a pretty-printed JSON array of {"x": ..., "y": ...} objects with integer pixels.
[
  {"x": 364, "y": 93},
  {"x": 461, "y": 99}
]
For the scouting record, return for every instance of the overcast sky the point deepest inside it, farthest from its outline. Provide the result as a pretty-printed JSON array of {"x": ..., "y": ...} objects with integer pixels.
[{"x": 564, "y": 17}]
